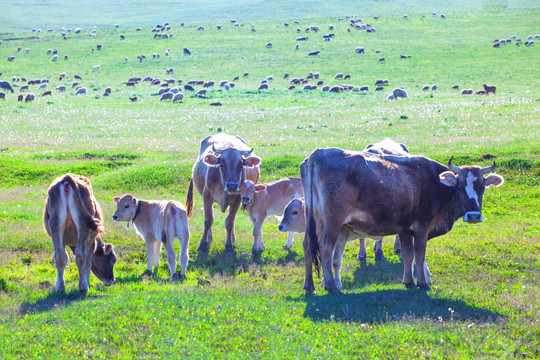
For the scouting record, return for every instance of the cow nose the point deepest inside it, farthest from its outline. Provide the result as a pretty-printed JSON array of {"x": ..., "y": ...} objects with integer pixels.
[
  {"x": 232, "y": 187},
  {"x": 473, "y": 217},
  {"x": 115, "y": 217},
  {"x": 280, "y": 227},
  {"x": 245, "y": 200}
]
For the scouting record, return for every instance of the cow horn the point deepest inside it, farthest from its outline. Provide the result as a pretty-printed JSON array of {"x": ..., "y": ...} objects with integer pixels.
[
  {"x": 246, "y": 152},
  {"x": 216, "y": 150},
  {"x": 488, "y": 169},
  {"x": 454, "y": 168}
]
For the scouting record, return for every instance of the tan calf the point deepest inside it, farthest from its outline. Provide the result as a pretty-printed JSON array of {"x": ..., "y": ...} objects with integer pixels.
[
  {"x": 263, "y": 200},
  {"x": 158, "y": 222}
]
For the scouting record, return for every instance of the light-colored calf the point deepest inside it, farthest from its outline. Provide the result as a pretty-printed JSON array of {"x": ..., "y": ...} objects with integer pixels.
[
  {"x": 263, "y": 200},
  {"x": 158, "y": 222}
]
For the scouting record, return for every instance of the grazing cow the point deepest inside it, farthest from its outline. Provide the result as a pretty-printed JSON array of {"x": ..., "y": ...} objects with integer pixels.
[
  {"x": 359, "y": 50},
  {"x": 455, "y": 87},
  {"x": 379, "y": 195},
  {"x": 217, "y": 103},
  {"x": 73, "y": 218},
  {"x": 261, "y": 201},
  {"x": 189, "y": 87},
  {"x": 263, "y": 87},
  {"x": 434, "y": 87},
  {"x": 223, "y": 164},
  {"x": 399, "y": 93},
  {"x": 186, "y": 51},
  {"x": 490, "y": 88},
  {"x": 42, "y": 86},
  {"x": 426, "y": 88},
  {"x": 2, "y": 95},
  {"x": 244, "y": 76},
  {"x": 29, "y": 97},
  {"x": 302, "y": 38},
  {"x": 382, "y": 60},
  {"x": 201, "y": 92},
  {"x": 54, "y": 58},
  {"x": 77, "y": 76},
  {"x": 291, "y": 87},
  {"x": 338, "y": 76},
  {"x": 208, "y": 84},
  {"x": 133, "y": 99},
  {"x": 379, "y": 82},
  {"x": 268, "y": 45},
  {"x": 6, "y": 85},
  {"x": 479, "y": 92},
  {"x": 80, "y": 91},
  {"x": 178, "y": 97},
  {"x": 166, "y": 96},
  {"x": 158, "y": 222},
  {"x": 48, "y": 92},
  {"x": 314, "y": 53},
  {"x": 364, "y": 88},
  {"x": 379, "y": 88},
  {"x": 10, "y": 58},
  {"x": 466, "y": 92},
  {"x": 169, "y": 70},
  {"x": 20, "y": 97}
]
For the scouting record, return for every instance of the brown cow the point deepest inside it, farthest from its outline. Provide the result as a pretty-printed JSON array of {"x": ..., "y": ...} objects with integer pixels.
[
  {"x": 73, "y": 218},
  {"x": 263, "y": 200},
  {"x": 158, "y": 222},
  {"x": 48, "y": 92},
  {"x": 490, "y": 88},
  {"x": 20, "y": 97},
  {"x": 223, "y": 164}
]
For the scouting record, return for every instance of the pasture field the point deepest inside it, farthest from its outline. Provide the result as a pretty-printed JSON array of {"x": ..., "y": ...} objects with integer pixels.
[{"x": 485, "y": 301}]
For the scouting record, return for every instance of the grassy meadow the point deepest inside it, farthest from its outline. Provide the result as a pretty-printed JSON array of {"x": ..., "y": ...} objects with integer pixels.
[{"x": 486, "y": 277}]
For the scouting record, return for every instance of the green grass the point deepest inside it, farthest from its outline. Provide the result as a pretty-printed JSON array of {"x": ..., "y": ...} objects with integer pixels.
[{"x": 484, "y": 302}]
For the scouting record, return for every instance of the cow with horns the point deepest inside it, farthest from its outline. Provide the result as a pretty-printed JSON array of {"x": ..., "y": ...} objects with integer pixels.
[
  {"x": 378, "y": 195},
  {"x": 223, "y": 164}
]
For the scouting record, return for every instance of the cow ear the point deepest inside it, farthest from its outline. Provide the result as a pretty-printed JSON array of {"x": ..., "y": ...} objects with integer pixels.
[
  {"x": 107, "y": 248},
  {"x": 493, "y": 179},
  {"x": 116, "y": 199},
  {"x": 135, "y": 201},
  {"x": 211, "y": 160},
  {"x": 260, "y": 187},
  {"x": 448, "y": 178},
  {"x": 252, "y": 161}
]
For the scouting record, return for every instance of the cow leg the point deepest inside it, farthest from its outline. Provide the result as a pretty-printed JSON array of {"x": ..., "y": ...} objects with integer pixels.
[
  {"x": 82, "y": 258},
  {"x": 337, "y": 259},
  {"x": 88, "y": 266},
  {"x": 150, "y": 254},
  {"x": 362, "y": 254},
  {"x": 309, "y": 287},
  {"x": 327, "y": 245},
  {"x": 377, "y": 249},
  {"x": 206, "y": 239},
  {"x": 419, "y": 256},
  {"x": 397, "y": 245},
  {"x": 290, "y": 240},
  {"x": 171, "y": 257},
  {"x": 258, "y": 244},
  {"x": 56, "y": 225},
  {"x": 157, "y": 253},
  {"x": 229, "y": 223},
  {"x": 407, "y": 249}
]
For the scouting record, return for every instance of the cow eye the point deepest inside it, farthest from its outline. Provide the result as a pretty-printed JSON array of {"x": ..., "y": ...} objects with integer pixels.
[
  {"x": 294, "y": 212},
  {"x": 127, "y": 205}
]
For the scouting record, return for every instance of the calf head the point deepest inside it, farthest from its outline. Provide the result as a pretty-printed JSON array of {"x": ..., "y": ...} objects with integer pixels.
[
  {"x": 103, "y": 262},
  {"x": 470, "y": 183},
  {"x": 294, "y": 218},
  {"x": 126, "y": 208},
  {"x": 248, "y": 189},
  {"x": 231, "y": 163}
]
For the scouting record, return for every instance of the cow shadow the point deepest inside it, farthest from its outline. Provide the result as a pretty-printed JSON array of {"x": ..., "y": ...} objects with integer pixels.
[
  {"x": 228, "y": 263},
  {"x": 380, "y": 272},
  {"x": 54, "y": 300},
  {"x": 382, "y": 306}
]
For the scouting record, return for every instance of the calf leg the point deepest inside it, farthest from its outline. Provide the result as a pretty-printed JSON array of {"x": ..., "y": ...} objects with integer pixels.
[
  {"x": 171, "y": 257},
  {"x": 82, "y": 258},
  {"x": 184, "y": 248},
  {"x": 229, "y": 224},
  {"x": 377, "y": 249},
  {"x": 150, "y": 254},
  {"x": 407, "y": 249},
  {"x": 56, "y": 226},
  {"x": 258, "y": 244},
  {"x": 362, "y": 254},
  {"x": 157, "y": 253},
  {"x": 290, "y": 240}
]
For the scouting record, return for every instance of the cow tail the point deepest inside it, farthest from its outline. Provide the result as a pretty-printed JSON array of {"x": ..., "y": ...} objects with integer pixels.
[
  {"x": 189, "y": 199},
  {"x": 311, "y": 226},
  {"x": 91, "y": 222}
]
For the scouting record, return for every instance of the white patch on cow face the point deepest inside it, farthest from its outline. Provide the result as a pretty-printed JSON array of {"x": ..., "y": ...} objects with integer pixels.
[{"x": 470, "y": 188}]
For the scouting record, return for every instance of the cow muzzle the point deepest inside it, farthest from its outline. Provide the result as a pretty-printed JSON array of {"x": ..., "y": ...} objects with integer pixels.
[
  {"x": 473, "y": 217},
  {"x": 109, "y": 282},
  {"x": 115, "y": 217},
  {"x": 246, "y": 200},
  {"x": 232, "y": 188},
  {"x": 282, "y": 227}
]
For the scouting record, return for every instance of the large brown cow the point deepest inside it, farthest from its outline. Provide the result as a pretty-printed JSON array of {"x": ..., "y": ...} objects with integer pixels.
[
  {"x": 378, "y": 195},
  {"x": 223, "y": 164},
  {"x": 73, "y": 218},
  {"x": 262, "y": 200}
]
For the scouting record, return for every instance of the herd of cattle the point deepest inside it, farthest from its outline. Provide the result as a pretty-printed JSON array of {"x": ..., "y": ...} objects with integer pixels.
[{"x": 341, "y": 196}]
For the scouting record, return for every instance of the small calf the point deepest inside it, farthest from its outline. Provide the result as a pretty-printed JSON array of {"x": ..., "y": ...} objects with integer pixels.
[
  {"x": 158, "y": 222},
  {"x": 263, "y": 200}
]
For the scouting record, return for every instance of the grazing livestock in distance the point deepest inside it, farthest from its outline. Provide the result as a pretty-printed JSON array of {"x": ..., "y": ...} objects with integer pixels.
[
  {"x": 223, "y": 164},
  {"x": 48, "y": 92},
  {"x": 29, "y": 97},
  {"x": 189, "y": 87},
  {"x": 20, "y": 97},
  {"x": 158, "y": 222},
  {"x": 201, "y": 93},
  {"x": 490, "y": 88},
  {"x": 399, "y": 93},
  {"x": 379, "y": 88},
  {"x": 133, "y": 99},
  {"x": 466, "y": 92},
  {"x": 433, "y": 87},
  {"x": 77, "y": 76},
  {"x": 6, "y": 85},
  {"x": 338, "y": 76},
  {"x": 217, "y": 103},
  {"x": 314, "y": 53},
  {"x": 382, "y": 60},
  {"x": 80, "y": 91},
  {"x": 2, "y": 95},
  {"x": 413, "y": 196},
  {"x": 359, "y": 50},
  {"x": 425, "y": 88},
  {"x": 73, "y": 218},
  {"x": 166, "y": 96},
  {"x": 263, "y": 87},
  {"x": 208, "y": 84},
  {"x": 178, "y": 97},
  {"x": 455, "y": 87},
  {"x": 479, "y": 92},
  {"x": 186, "y": 51},
  {"x": 261, "y": 201}
]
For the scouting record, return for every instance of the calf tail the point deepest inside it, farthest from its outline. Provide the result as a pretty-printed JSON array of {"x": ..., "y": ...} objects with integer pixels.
[
  {"x": 189, "y": 200},
  {"x": 91, "y": 222}
]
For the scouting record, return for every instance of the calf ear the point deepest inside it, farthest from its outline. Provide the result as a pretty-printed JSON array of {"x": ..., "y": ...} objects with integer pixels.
[
  {"x": 493, "y": 179},
  {"x": 252, "y": 161},
  {"x": 260, "y": 187},
  {"x": 116, "y": 199},
  {"x": 448, "y": 178},
  {"x": 107, "y": 248},
  {"x": 211, "y": 160}
]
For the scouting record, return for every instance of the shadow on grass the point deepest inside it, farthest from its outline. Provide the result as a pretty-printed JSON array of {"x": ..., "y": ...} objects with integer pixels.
[
  {"x": 55, "y": 300},
  {"x": 227, "y": 262},
  {"x": 381, "y": 272},
  {"x": 381, "y": 306}
]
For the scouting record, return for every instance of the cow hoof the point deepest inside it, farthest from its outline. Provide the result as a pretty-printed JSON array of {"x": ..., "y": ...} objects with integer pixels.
[
  {"x": 229, "y": 248},
  {"x": 424, "y": 287},
  {"x": 333, "y": 290},
  {"x": 362, "y": 258},
  {"x": 409, "y": 285},
  {"x": 379, "y": 256},
  {"x": 203, "y": 247},
  {"x": 285, "y": 247},
  {"x": 178, "y": 277},
  {"x": 257, "y": 251}
]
